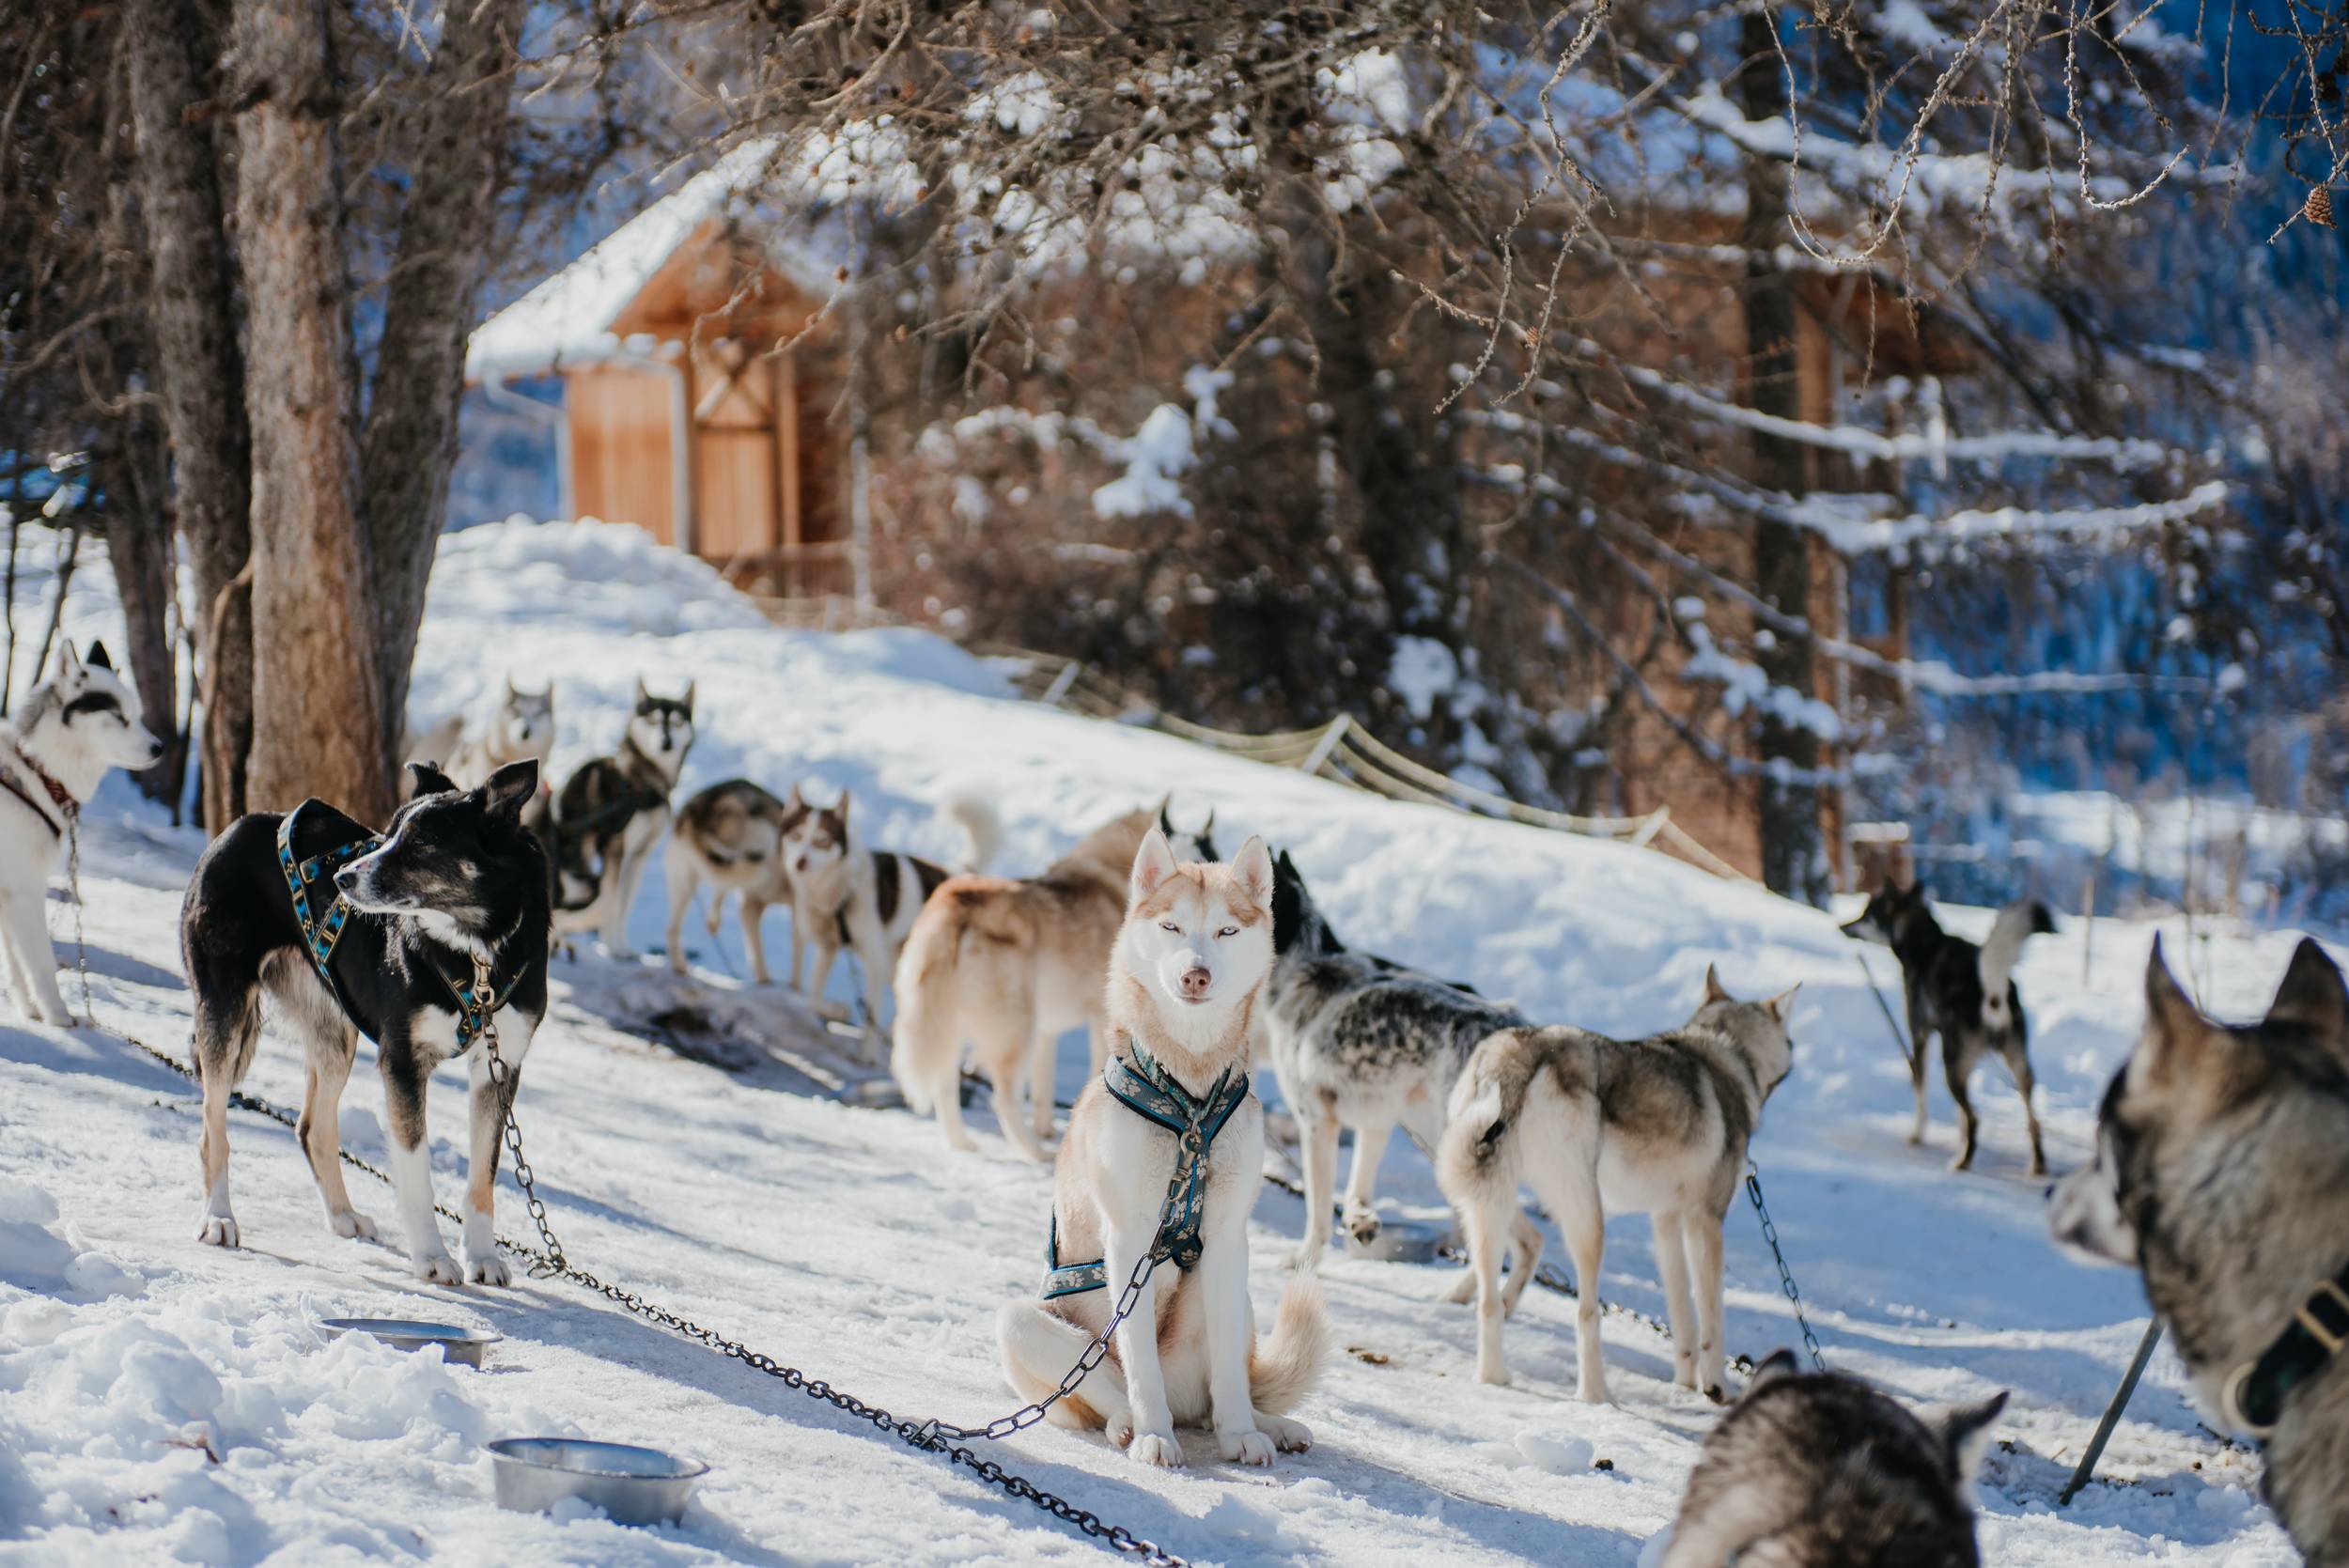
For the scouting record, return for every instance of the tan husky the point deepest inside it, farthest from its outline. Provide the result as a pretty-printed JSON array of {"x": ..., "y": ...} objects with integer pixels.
[
  {"x": 1189, "y": 966},
  {"x": 1005, "y": 966},
  {"x": 1598, "y": 1127}
]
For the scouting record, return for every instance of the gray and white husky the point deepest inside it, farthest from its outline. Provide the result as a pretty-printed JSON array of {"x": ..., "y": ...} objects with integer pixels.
[
  {"x": 1597, "y": 1127},
  {"x": 2222, "y": 1176},
  {"x": 730, "y": 836},
  {"x": 522, "y": 727},
  {"x": 1816, "y": 1470},
  {"x": 76, "y": 725},
  {"x": 611, "y": 814},
  {"x": 1360, "y": 1040}
]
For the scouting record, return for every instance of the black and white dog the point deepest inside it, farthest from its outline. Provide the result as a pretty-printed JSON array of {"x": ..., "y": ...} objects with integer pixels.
[
  {"x": 1962, "y": 993},
  {"x": 613, "y": 813},
  {"x": 424, "y": 940}
]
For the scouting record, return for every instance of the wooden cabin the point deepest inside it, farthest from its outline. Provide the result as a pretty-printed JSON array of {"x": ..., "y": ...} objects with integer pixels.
[{"x": 698, "y": 375}]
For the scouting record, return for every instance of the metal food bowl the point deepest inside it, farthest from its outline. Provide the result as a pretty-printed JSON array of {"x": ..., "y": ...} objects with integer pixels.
[
  {"x": 1400, "y": 1241},
  {"x": 460, "y": 1345},
  {"x": 633, "y": 1485}
]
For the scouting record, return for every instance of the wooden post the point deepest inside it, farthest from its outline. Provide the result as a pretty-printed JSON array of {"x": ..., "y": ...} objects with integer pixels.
[
  {"x": 2112, "y": 1414},
  {"x": 1319, "y": 756},
  {"x": 787, "y": 401}
]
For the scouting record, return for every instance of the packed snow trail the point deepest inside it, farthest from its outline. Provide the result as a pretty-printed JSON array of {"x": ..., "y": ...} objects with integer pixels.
[{"x": 161, "y": 1399}]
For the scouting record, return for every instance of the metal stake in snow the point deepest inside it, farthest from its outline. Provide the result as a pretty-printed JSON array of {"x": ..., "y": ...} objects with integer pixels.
[{"x": 2112, "y": 1414}]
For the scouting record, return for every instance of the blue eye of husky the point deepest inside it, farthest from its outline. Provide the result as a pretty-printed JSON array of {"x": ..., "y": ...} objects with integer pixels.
[
  {"x": 1229, "y": 931},
  {"x": 1170, "y": 926}
]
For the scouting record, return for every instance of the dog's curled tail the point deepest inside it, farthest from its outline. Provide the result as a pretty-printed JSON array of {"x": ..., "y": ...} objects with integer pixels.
[
  {"x": 1476, "y": 1150},
  {"x": 2016, "y": 923},
  {"x": 1286, "y": 1363},
  {"x": 979, "y": 823},
  {"x": 923, "y": 1051}
]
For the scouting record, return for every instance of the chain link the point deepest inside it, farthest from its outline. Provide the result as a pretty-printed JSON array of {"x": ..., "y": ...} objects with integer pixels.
[{"x": 1786, "y": 1275}]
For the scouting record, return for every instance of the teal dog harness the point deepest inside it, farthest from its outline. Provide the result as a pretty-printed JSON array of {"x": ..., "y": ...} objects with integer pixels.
[{"x": 1151, "y": 1093}]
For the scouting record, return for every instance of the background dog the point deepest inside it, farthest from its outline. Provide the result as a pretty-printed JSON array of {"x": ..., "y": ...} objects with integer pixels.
[
  {"x": 458, "y": 876},
  {"x": 1964, "y": 994},
  {"x": 730, "y": 836},
  {"x": 1189, "y": 961},
  {"x": 82, "y": 721},
  {"x": 1004, "y": 967},
  {"x": 1814, "y": 1470},
  {"x": 2222, "y": 1174},
  {"x": 523, "y": 728},
  {"x": 1360, "y": 1040},
  {"x": 1598, "y": 1127},
  {"x": 612, "y": 812}
]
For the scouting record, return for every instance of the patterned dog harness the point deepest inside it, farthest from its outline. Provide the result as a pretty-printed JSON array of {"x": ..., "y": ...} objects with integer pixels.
[
  {"x": 313, "y": 822},
  {"x": 1151, "y": 1093}
]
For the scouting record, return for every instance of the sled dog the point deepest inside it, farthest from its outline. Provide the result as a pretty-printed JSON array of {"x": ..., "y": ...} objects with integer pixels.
[
  {"x": 424, "y": 940},
  {"x": 522, "y": 727},
  {"x": 1817, "y": 1470},
  {"x": 1360, "y": 1040},
  {"x": 2222, "y": 1176},
  {"x": 1004, "y": 967},
  {"x": 730, "y": 836},
  {"x": 1597, "y": 1127},
  {"x": 1173, "y": 1113},
  {"x": 865, "y": 900},
  {"x": 77, "y": 724},
  {"x": 611, "y": 814},
  {"x": 1962, "y": 993}
]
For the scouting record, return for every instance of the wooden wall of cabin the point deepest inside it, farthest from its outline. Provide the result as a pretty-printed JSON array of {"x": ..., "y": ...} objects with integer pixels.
[{"x": 620, "y": 419}]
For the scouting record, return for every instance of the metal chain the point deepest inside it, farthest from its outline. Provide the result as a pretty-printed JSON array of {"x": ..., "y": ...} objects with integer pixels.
[{"x": 1786, "y": 1275}]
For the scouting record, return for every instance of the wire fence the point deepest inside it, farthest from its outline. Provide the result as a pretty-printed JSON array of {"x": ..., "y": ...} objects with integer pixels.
[{"x": 1343, "y": 749}]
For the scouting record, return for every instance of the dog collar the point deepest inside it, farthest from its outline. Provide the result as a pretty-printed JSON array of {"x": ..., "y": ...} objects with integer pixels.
[
  {"x": 68, "y": 807},
  {"x": 2255, "y": 1391}
]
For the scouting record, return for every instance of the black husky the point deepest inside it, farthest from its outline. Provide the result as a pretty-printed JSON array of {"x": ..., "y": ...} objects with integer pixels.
[
  {"x": 422, "y": 939},
  {"x": 1961, "y": 992}
]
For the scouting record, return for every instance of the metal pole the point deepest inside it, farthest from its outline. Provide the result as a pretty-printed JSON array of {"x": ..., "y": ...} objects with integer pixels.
[{"x": 2112, "y": 1414}]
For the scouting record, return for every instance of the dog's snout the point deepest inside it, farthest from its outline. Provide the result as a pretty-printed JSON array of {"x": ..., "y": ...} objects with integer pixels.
[
  {"x": 1195, "y": 981},
  {"x": 347, "y": 878}
]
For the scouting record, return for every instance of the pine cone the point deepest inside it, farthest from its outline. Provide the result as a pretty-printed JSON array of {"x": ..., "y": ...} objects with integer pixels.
[{"x": 2318, "y": 209}]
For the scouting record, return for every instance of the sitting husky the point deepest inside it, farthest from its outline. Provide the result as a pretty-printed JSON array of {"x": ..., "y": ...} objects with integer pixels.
[
  {"x": 613, "y": 812},
  {"x": 2222, "y": 1174},
  {"x": 865, "y": 900},
  {"x": 1597, "y": 1125},
  {"x": 1185, "y": 969},
  {"x": 730, "y": 836},
  {"x": 1359, "y": 1041},
  {"x": 1815, "y": 1470},
  {"x": 1004, "y": 965},
  {"x": 80, "y": 722},
  {"x": 1962, "y": 993},
  {"x": 423, "y": 939}
]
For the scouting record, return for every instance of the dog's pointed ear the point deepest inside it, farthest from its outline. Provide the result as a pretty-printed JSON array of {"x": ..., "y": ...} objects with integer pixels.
[
  {"x": 1777, "y": 1364},
  {"x": 2311, "y": 994},
  {"x": 1253, "y": 868},
  {"x": 510, "y": 787},
  {"x": 1964, "y": 1432},
  {"x": 842, "y": 809},
  {"x": 1154, "y": 862},
  {"x": 68, "y": 663},
  {"x": 1208, "y": 826},
  {"x": 642, "y": 696},
  {"x": 1714, "y": 990},
  {"x": 798, "y": 801},
  {"x": 1783, "y": 1004},
  {"x": 1166, "y": 823},
  {"x": 98, "y": 659},
  {"x": 2176, "y": 1033},
  {"x": 688, "y": 698},
  {"x": 511, "y": 690},
  {"x": 428, "y": 778}
]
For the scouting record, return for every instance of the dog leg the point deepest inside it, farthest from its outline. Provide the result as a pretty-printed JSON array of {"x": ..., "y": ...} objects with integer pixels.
[
  {"x": 754, "y": 915},
  {"x": 1672, "y": 1264},
  {"x": 1038, "y": 1348},
  {"x": 1703, "y": 1233},
  {"x": 320, "y": 1131},
  {"x": 1917, "y": 1036},
  {"x": 827, "y": 953},
  {"x": 411, "y": 1170},
  {"x": 1957, "y": 1065},
  {"x": 2018, "y": 1063},
  {"x": 12, "y": 981},
  {"x": 683, "y": 881},
  {"x": 1137, "y": 1339},
  {"x": 1317, "y": 1135},
  {"x": 1043, "y": 1078},
  {"x": 875, "y": 990},
  {"x": 1525, "y": 1241},
  {"x": 632, "y": 868},
  {"x": 227, "y": 1026},
  {"x": 1487, "y": 1224},
  {"x": 1584, "y": 1223},
  {"x": 1222, "y": 1284},
  {"x": 25, "y": 926},
  {"x": 1362, "y": 1185},
  {"x": 219, "y": 1228},
  {"x": 483, "y": 1261}
]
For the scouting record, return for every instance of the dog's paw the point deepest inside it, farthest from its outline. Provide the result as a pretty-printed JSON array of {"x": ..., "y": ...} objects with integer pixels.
[
  {"x": 1964, "y": 1161},
  {"x": 1594, "y": 1393},
  {"x": 1287, "y": 1436},
  {"x": 1715, "y": 1392},
  {"x": 489, "y": 1269},
  {"x": 1362, "y": 1224},
  {"x": 1155, "y": 1448},
  {"x": 437, "y": 1269},
  {"x": 1496, "y": 1375},
  {"x": 1463, "y": 1289},
  {"x": 1245, "y": 1448},
  {"x": 963, "y": 1142},
  {"x": 351, "y": 1225},
  {"x": 57, "y": 1016},
  {"x": 1119, "y": 1430},
  {"x": 218, "y": 1230}
]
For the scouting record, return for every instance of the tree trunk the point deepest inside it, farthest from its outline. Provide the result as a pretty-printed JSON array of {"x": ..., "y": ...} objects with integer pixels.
[
  {"x": 192, "y": 306},
  {"x": 1794, "y": 854},
  {"x": 317, "y": 689},
  {"x": 138, "y": 551},
  {"x": 410, "y": 444}
]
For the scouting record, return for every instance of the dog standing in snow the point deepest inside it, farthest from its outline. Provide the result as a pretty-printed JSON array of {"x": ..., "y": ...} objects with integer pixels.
[
  {"x": 82, "y": 721},
  {"x": 1172, "y": 1111},
  {"x": 1597, "y": 1127},
  {"x": 1815, "y": 1470},
  {"x": 523, "y": 728},
  {"x": 730, "y": 836},
  {"x": 1004, "y": 965},
  {"x": 611, "y": 814},
  {"x": 423, "y": 939},
  {"x": 1962, "y": 993}
]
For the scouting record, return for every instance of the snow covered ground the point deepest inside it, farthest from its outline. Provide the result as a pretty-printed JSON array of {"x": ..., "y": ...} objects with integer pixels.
[{"x": 163, "y": 1400}]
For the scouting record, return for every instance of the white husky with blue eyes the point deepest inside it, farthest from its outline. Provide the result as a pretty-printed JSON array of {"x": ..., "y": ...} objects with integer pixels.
[{"x": 1185, "y": 979}]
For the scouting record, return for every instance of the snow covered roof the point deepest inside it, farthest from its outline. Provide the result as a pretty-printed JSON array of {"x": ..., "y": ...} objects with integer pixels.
[{"x": 568, "y": 319}]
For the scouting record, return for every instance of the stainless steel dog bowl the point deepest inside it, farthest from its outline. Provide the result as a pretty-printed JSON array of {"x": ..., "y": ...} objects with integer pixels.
[
  {"x": 457, "y": 1345},
  {"x": 1401, "y": 1241},
  {"x": 633, "y": 1485}
]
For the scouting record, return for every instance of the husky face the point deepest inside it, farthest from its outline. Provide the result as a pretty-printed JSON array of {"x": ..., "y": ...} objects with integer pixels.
[
  {"x": 662, "y": 728},
  {"x": 1758, "y": 1029},
  {"x": 89, "y": 720},
  {"x": 1199, "y": 934},
  {"x": 525, "y": 720},
  {"x": 1890, "y": 909},
  {"x": 816, "y": 839},
  {"x": 436, "y": 863}
]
